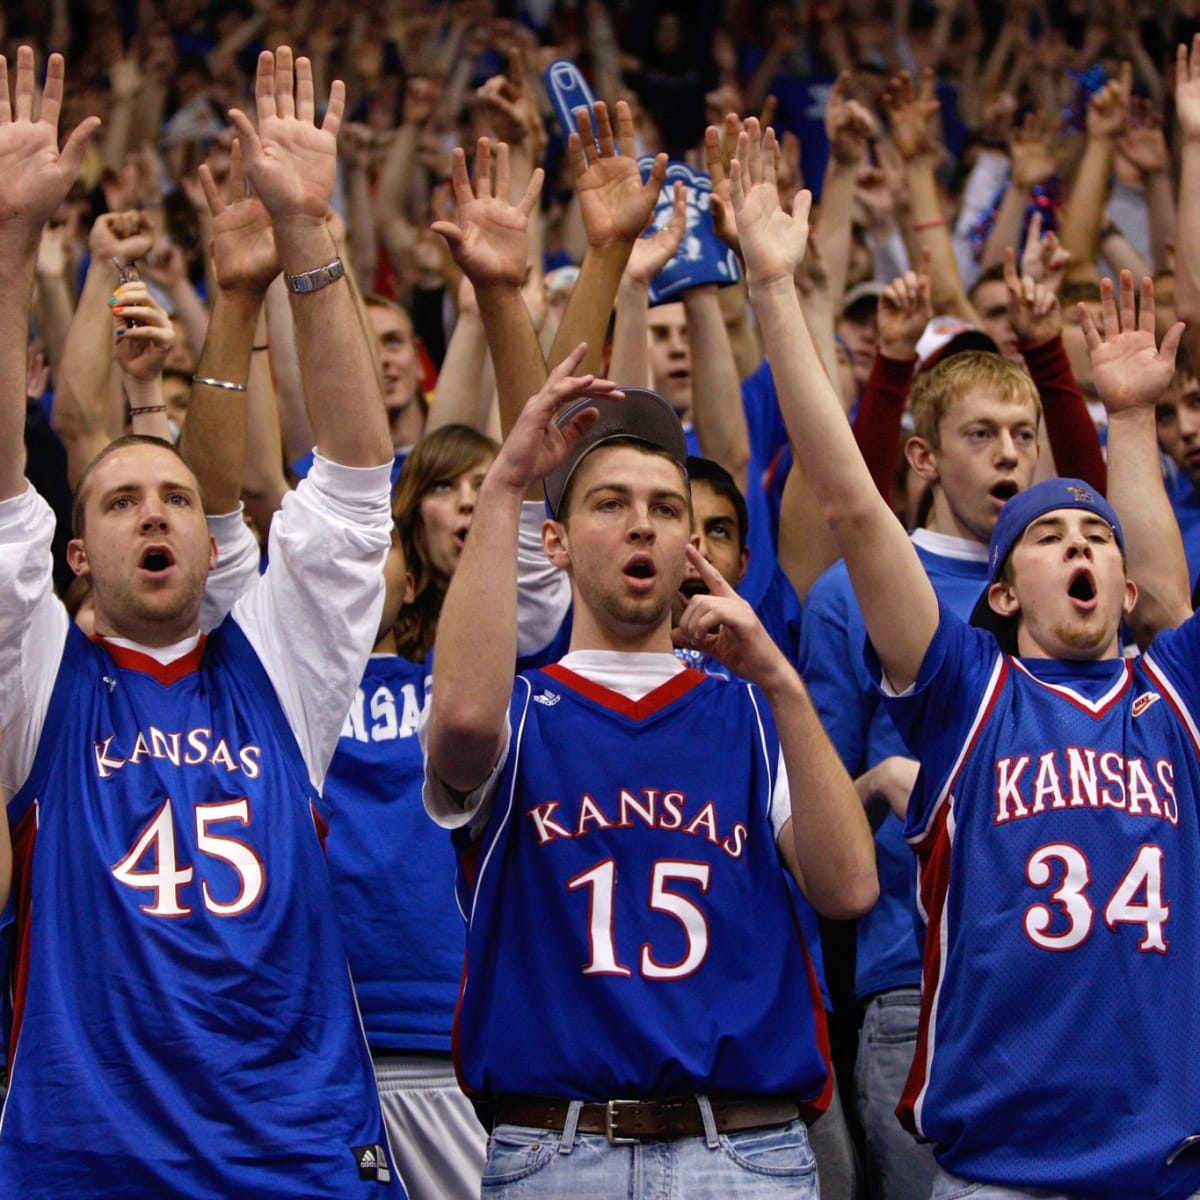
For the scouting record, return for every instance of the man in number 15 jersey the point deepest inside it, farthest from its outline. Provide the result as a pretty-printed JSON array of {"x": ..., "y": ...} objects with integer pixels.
[{"x": 626, "y": 827}]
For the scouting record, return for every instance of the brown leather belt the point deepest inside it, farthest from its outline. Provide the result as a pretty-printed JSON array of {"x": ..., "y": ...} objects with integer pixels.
[{"x": 633, "y": 1120}]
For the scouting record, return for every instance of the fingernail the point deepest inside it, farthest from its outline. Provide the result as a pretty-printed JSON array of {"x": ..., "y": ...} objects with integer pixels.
[
  {"x": 120, "y": 333},
  {"x": 113, "y": 301},
  {"x": 118, "y": 308}
]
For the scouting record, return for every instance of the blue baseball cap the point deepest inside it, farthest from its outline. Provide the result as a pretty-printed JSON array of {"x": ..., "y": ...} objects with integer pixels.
[{"x": 1015, "y": 517}]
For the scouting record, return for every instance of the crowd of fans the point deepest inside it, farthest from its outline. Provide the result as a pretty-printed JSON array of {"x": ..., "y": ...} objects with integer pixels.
[{"x": 977, "y": 170}]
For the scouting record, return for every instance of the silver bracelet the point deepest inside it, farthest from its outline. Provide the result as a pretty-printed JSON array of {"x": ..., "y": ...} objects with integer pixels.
[
  {"x": 219, "y": 383},
  {"x": 317, "y": 278}
]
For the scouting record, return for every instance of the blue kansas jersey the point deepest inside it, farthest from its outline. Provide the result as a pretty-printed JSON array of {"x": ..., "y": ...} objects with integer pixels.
[
  {"x": 630, "y": 930},
  {"x": 184, "y": 1021},
  {"x": 1058, "y": 840}
]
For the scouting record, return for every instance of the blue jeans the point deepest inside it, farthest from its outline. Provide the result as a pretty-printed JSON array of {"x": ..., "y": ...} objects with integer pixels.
[
  {"x": 898, "y": 1166},
  {"x": 756, "y": 1164}
]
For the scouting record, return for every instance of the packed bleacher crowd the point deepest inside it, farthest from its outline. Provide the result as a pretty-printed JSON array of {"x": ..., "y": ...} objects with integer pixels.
[{"x": 399, "y": 635}]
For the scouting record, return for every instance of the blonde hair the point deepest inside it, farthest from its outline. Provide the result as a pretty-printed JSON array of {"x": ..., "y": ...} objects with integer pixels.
[{"x": 935, "y": 391}]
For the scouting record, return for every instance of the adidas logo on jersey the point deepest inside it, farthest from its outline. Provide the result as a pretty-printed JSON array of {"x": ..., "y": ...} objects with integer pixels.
[
  {"x": 549, "y": 699},
  {"x": 1144, "y": 701},
  {"x": 372, "y": 1163}
]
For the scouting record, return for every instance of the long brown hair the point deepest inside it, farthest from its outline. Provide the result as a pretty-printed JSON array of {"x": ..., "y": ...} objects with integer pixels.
[{"x": 444, "y": 455}]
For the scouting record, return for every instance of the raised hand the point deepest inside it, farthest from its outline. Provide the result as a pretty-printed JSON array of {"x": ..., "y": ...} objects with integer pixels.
[
  {"x": 509, "y": 111},
  {"x": 1128, "y": 368},
  {"x": 1032, "y": 152},
  {"x": 911, "y": 114},
  {"x": 489, "y": 238},
  {"x": 773, "y": 241},
  {"x": 1187, "y": 89},
  {"x": 536, "y": 444},
  {"x": 651, "y": 254},
  {"x": 848, "y": 125},
  {"x": 614, "y": 202},
  {"x": 905, "y": 308},
  {"x": 243, "y": 241},
  {"x": 1044, "y": 259},
  {"x": 717, "y": 162},
  {"x": 1143, "y": 144},
  {"x": 142, "y": 331},
  {"x": 1108, "y": 110},
  {"x": 36, "y": 175},
  {"x": 291, "y": 161},
  {"x": 1032, "y": 307},
  {"x": 722, "y": 625},
  {"x": 123, "y": 235}
]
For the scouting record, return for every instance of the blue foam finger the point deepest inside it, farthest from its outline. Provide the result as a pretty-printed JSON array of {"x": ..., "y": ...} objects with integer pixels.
[
  {"x": 702, "y": 258},
  {"x": 569, "y": 92}
]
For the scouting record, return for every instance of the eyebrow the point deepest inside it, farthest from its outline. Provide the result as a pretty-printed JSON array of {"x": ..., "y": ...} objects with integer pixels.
[
  {"x": 624, "y": 489},
  {"x": 166, "y": 485}
]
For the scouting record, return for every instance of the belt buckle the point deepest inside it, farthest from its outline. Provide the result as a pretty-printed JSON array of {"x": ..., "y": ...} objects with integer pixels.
[{"x": 610, "y": 1119}]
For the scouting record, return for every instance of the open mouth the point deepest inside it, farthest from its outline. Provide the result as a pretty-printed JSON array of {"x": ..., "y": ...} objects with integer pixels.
[
  {"x": 1082, "y": 587},
  {"x": 156, "y": 559},
  {"x": 640, "y": 568},
  {"x": 693, "y": 587},
  {"x": 1004, "y": 491}
]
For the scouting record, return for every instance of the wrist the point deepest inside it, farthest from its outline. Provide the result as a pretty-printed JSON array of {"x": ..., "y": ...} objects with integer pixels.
[
  {"x": 303, "y": 243},
  {"x": 899, "y": 351},
  {"x": 770, "y": 288}
]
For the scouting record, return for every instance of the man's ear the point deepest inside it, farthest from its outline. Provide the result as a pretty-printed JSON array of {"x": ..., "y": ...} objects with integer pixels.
[
  {"x": 77, "y": 558},
  {"x": 743, "y": 563},
  {"x": 1002, "y": 599},
  {"x": 555, "y": 543},
  {"x": 922, "y": 457},
  {"x": 1131, "y": 596},
  {"x": 212, "y": 551}
]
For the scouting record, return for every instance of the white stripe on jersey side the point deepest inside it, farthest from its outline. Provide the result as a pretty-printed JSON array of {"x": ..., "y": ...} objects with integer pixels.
[
  {"x": 1156, "y": 674},
  {"x": 762, "y": 745},
  {"x": 515, "y": 750},
  {"x": 934, "y": 1004},
  {"x": 1095, "y": 707},
  {"x": 989, "y": 694}
]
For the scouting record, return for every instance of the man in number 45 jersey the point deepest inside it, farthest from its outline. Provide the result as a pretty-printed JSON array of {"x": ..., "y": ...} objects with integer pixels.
[
  {"x": 1056, "y": 813},
  {"x": 184, "y": 1023},
  {"x": 637, "y": 1009}
]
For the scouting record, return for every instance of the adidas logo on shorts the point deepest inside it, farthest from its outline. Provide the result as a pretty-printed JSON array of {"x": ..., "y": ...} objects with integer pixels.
[{"x": 372, "y": 1163}]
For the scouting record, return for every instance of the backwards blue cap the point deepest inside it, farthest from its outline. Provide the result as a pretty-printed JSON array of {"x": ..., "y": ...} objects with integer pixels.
[{"x": 1015, "y": 517}]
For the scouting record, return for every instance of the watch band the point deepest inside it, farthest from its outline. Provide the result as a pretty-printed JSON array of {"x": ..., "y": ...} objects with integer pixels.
[{"x": 317, "y": 278}]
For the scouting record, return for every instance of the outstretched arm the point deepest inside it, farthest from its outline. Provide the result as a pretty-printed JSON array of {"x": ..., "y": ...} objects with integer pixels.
[
  {"x": 1107, "y": 113},
  {"x": 1187, "y": 249},
  {"x": 1131, "y": 373},
  {"x": 291, "y": 163},
  {"x": 36, "y": 176},
  {"x": 244, "y": 263},
  {"x": 897, "y": 599},
  {"x": 143, "y": 339},
  {"x": 477, "y": 631},
  {"x": 616, "y": 206},
  {"x": 827, "y": 845},
  {"x": 488, "y": 240}
]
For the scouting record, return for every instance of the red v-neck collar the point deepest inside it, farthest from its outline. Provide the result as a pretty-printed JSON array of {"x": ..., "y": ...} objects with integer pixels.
[
  {"x": 652, "y": 702},
  {"x": 165, "y": 673}
]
